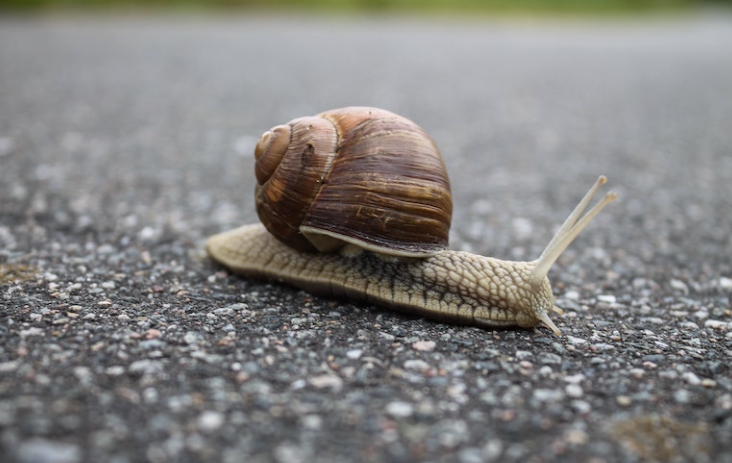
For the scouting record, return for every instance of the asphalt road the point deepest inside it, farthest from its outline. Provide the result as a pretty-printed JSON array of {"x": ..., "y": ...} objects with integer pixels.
[{"x": 124, "y": 143}]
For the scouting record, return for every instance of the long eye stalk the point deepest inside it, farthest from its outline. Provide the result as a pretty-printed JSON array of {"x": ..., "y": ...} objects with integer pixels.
[{"x": 575, "y": 223}]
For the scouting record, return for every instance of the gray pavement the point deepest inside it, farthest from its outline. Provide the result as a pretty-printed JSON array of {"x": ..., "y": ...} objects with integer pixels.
[{"x": 124, "y": 143}]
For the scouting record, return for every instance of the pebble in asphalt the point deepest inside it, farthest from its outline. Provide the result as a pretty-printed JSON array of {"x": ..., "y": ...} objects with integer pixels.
[{"x": 124, "y": 143}]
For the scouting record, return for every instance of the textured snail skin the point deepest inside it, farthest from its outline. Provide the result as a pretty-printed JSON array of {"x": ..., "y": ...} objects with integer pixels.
[{"x": 451, "y": 286}]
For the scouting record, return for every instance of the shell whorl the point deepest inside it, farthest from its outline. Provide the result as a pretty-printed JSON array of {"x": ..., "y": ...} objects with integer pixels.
[{"x": 355, "y": 175}]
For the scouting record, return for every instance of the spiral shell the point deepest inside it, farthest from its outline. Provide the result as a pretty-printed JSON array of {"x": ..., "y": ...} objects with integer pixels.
[{"x": 356, "y": 175}]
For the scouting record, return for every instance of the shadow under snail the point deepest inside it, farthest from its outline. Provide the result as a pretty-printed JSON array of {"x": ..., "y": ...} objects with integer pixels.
[{"x": 355, "y": 203}]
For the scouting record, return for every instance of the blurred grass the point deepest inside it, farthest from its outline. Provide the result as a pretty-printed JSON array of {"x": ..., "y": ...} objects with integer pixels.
[{"x": 559, "y": 7}]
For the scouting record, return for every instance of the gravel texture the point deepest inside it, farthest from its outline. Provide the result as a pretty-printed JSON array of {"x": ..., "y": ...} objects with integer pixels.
[{"x": 124, "y": 143}]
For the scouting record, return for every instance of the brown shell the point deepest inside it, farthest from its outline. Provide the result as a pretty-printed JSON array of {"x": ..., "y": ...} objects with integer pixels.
[{"x": 355, "y": 175}]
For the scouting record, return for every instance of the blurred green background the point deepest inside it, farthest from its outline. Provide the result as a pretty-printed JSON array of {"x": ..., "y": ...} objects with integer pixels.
[{"x": 425, "y": 6}]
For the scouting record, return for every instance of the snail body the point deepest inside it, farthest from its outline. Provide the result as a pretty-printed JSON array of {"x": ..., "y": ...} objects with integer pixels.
[{"x": 370, "y": 249}]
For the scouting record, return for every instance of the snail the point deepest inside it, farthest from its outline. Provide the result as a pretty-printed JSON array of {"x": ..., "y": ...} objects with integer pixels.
[{"x": 355, "y": 203}]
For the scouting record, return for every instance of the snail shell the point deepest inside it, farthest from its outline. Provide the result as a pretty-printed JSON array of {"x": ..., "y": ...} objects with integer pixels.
[{"x": 360, "y": 176}]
